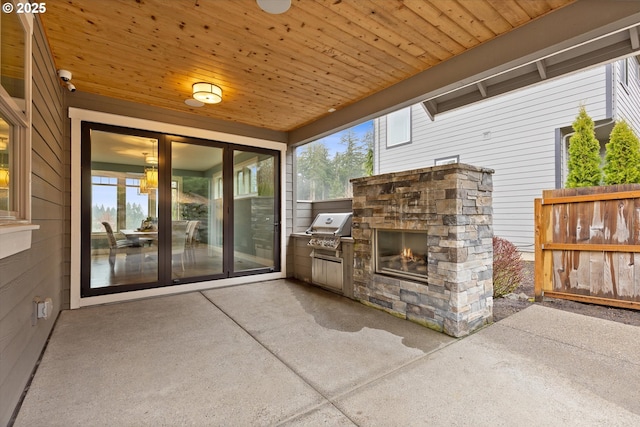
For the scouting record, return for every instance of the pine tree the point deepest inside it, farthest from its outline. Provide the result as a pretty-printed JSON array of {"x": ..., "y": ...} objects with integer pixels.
[
  {"x": 313, "y": 165},
  {"x": 622, "y": 161},
  {"x": 584, "y": 153}
]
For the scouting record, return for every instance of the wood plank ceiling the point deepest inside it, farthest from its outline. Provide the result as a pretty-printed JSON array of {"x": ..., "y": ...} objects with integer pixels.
[{"x": 278, "y": 72}]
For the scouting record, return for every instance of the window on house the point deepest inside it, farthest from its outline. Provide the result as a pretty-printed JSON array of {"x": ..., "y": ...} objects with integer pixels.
[
  {"x": 246, "y": 178},
  {"x": 399, "y": 127},
  {"x": 117, "y": 199},
  {"x": 14, "y": 117},
  {"x": 447, "y": 160},
  {"x": 624, "y": 72},
  {"x": 7, "y": 193}
]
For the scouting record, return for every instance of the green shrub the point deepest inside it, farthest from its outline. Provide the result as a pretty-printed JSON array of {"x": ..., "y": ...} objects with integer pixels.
[
  {"x": 622, "y": 161},
  {"x": 584, "y": 153},
  {"x": 508, "y": 272}
]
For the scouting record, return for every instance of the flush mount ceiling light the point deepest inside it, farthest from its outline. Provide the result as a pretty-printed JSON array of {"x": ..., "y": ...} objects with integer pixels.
[
  {"x": 274, "y": 7},
  {"x": 207, "y": 93}
]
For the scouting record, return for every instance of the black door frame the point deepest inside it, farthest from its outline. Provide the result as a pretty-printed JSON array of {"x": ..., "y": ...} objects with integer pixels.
[{"x": 164, "y": 209}]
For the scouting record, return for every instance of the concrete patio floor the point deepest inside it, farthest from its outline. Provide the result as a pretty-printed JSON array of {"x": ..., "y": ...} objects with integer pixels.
[{"x": 285, "y": 353}]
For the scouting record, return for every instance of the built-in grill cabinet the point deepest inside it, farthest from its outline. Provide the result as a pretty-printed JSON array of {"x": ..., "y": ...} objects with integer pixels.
[{"x": 327, "y": 259}]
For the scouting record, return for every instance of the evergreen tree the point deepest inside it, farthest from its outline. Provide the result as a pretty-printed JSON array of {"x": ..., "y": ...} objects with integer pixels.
[
  {"x": 622, "y": 160},
  {"x": 347, "y": 164},
  {"x": 584, "y": 153},
  {"x": 368, "y": 163},
  {"x": 313, "y": 166}
]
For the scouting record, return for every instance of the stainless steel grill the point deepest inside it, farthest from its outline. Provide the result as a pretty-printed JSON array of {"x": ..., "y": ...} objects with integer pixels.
[
  {"x": 327, "y": 262},
  {"x": 327, "y": 229}
]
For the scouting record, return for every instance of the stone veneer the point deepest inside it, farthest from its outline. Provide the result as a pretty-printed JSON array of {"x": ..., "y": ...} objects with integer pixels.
[{"x": 452, "y": 204}]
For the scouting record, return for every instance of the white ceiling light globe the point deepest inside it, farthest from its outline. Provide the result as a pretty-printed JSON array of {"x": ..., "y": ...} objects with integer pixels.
[{"x": 274, "y": 6}]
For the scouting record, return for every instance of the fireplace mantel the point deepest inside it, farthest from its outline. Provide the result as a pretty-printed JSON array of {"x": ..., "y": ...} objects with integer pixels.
[{"x": 451, "y": 205}]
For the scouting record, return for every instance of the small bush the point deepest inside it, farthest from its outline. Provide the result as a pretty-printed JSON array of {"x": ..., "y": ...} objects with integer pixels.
[{"x": 508, "y": 271}]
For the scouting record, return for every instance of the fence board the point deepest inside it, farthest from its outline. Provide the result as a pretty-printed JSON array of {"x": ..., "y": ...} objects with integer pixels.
[
  {"x": 626, "y": 288},
  {"x": 587, "y": 245}
]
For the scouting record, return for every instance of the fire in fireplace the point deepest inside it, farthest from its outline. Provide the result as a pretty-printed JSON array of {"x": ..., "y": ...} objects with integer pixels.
[{"x": 401, "y": 253}]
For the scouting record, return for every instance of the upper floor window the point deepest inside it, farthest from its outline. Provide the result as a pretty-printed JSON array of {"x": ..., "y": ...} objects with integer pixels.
[{"x": 399, "y": 127}]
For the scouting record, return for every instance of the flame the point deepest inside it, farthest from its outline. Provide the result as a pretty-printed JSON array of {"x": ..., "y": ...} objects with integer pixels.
[{"x": 406, "y": 253}]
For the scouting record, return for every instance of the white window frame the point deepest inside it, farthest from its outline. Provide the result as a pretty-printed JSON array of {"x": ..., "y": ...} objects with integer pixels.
[
  {"x": 399, "y": 127},
  {"x": 624, "y": 72},
  {"x": 15, "y": 233},
  {"x": 447, "y": 160}
]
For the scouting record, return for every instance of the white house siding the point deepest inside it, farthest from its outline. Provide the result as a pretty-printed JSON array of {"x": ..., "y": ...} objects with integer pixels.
[
  {"x": 626, "y": 103},
  {"x": 513, "y": 134}
]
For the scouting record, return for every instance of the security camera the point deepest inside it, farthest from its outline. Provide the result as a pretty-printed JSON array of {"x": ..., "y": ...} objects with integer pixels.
[
  {"x": 65, "y": 75},
  {"x": 71, "y": 87}
]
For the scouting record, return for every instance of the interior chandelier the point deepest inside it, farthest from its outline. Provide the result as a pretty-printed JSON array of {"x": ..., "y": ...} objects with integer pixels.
[
  {"x": 4, "y": 177},
  {"x": 149, "y": 180},
  {"x": 4, "y": 169},
  {"x": 207, "y": 93}
]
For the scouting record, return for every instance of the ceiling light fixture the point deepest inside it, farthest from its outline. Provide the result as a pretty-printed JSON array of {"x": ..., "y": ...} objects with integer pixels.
[
  {"x": 207, "y": 93},
  {"x": 274, "y": 7},
  {"x": 151, "y": 159}
]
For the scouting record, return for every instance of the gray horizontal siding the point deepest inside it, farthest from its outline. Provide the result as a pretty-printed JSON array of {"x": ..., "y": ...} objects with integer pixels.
[
  {"x": 39, "y": 271},
  {"x": 513, "y": 134},
  {"x": 627, "y": 100}
]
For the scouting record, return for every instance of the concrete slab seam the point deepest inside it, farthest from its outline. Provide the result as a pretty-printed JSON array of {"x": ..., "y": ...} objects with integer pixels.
[
  {"x": 581, "y": 348},
  {"x": 289, "y": 367}
]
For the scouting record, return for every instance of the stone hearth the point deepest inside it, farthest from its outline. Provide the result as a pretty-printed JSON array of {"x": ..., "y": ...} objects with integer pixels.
[{"x": 452, "y": 205}]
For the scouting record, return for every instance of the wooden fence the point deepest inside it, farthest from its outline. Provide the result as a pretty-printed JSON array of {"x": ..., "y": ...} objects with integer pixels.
[{"x": 588, "y": 245}]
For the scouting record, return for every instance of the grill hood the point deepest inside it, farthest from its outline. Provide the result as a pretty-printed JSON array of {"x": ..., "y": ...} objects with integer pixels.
[{"x": 331, "y": 224}]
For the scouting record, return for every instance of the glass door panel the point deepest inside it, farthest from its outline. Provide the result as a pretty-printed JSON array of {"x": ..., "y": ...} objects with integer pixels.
[
  {"x": 124, "y": 210},
  {"x": 255, "y": 221},
  {"x": 196, "y": 211}
]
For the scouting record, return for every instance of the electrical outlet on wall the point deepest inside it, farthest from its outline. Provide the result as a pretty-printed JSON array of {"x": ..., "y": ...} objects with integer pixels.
[{"x": 42, "y": 309}]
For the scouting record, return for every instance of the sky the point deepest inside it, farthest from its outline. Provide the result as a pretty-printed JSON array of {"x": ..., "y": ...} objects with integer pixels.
[{"x": 332, "y": 142}]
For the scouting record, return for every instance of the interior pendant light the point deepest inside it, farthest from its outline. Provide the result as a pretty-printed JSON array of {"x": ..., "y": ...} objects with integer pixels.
[
  {"x": 151, "y": 176},
  {"x": 150, "y": 179},
  {"x": 143, "y": 189},
  {"x": 151, "y": 159},
  {"x": 4, "y": 177},
  {"x": 207, "y": 93}
]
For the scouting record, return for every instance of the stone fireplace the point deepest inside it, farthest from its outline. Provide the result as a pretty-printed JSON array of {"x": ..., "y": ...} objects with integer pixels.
[{"x": 423, "y": 245}]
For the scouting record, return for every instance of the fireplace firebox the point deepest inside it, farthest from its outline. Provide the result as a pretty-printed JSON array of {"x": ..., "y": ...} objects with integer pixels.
[{"x": 401, "y": 253}]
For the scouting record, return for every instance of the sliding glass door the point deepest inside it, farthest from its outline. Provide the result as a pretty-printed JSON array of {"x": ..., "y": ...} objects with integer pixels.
[
  {"x": 161, "y": 210},
  {"x": 255, "y": 220},
  {"x": 197, "y": 210},
  {"x": 120, "y": 210}
]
